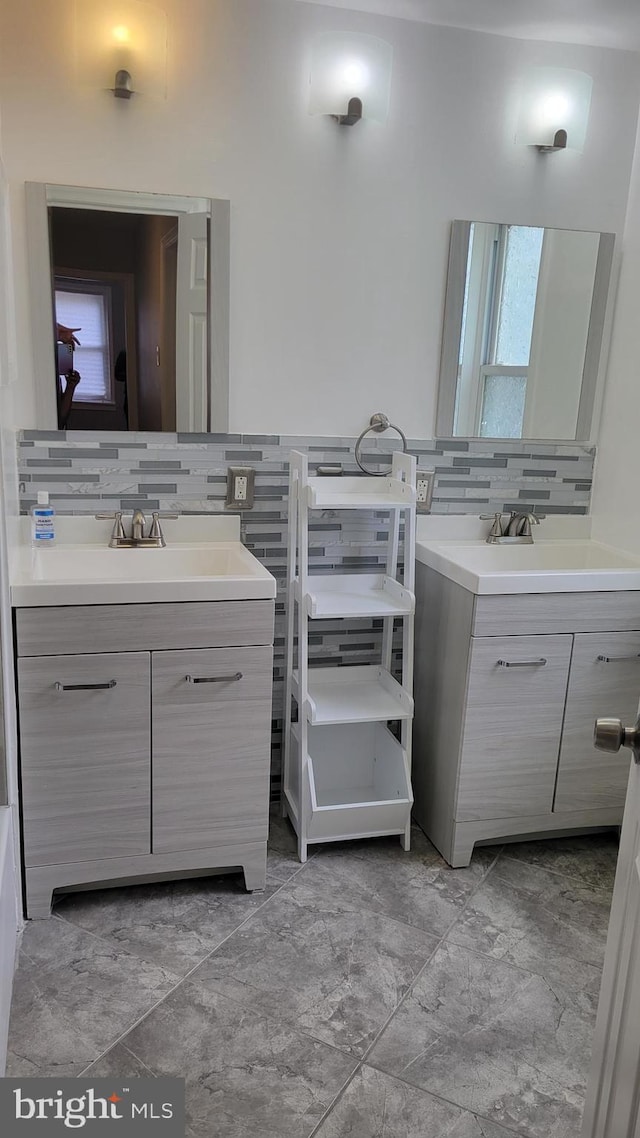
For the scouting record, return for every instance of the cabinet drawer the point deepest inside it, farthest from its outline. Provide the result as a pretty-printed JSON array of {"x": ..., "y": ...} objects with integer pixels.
[
  {"x": 512, "y": 726},
  {"x": 211, "y": 747},
  {"x": 587, "y": 778},
  {"x": 122, "y": 628},
  {"x": 85, "y": 754},
  {"x": 525, "y": 613}
]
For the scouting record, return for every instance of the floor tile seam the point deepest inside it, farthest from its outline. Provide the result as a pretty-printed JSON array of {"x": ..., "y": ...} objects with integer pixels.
[
  {"x": 123, "y": 1034},
  {"x": 362, "y": 908},
  {"x": 338, "y": 1098},
  {"x": 279, "y": 1020},
  {"x": 443, "y": 940},
  {"x": 278, "y": 886},
  {"x": 127, "y": 1048},
  {"x": 427, "y": 962},
  {"x": 510, "y": 964},
  {"x": 557, "y": 873},
  {"x": 448, "y": 1101},
  {"x": 410, "y": 987},
  {"x": 269, "y": 1018}
]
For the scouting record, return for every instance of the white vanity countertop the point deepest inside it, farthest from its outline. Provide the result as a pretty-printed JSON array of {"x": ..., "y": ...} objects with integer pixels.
[
  {"x": 562, "y": 559},
  {"x": 204, "y": 560}
]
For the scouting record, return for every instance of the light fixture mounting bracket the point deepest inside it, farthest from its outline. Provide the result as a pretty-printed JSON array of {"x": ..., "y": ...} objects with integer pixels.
[
  {"x": 559, "y": 143},
  {"x": 353, "y": 115},
  {"x": 123, "y": 88}
]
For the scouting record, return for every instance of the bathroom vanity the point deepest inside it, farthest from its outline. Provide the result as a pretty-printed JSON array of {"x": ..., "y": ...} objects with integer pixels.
[
  {"x": 518, "y": 650},
  {"x": 144, "y": 726}
]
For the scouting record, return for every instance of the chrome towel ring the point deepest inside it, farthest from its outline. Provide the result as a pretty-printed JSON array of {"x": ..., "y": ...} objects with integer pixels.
[{"x": 378, "y": 423}]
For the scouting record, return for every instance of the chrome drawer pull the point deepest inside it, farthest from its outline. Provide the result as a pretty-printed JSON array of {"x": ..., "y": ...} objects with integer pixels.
[
  {"x": 213, "y": 679},
  {"x": 522, "y": 663},
  {"x": 615, "y": 659},
  {"x": 85, "y": 687}
]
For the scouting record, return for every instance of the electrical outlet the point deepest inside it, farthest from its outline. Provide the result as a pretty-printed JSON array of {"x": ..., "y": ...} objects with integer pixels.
[
  {"x": 240, "y": 487},
  {"x": 424, "y": 490}
]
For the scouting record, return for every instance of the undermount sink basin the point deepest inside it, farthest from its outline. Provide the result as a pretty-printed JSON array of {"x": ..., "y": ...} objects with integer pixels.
[
  {"x": 545, "y": 566},
  {"x": 78, "y": 573}
]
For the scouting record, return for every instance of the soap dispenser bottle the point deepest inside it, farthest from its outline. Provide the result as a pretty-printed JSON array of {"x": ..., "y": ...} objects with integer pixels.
[{"x": 43, "y": 528}]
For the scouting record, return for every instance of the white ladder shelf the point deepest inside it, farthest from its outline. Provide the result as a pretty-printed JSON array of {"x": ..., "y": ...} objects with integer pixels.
[{"x": 346, "y": 775}]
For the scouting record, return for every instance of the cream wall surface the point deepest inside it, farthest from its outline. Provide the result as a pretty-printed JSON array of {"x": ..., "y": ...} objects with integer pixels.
[{"x": 339, "y": 236}]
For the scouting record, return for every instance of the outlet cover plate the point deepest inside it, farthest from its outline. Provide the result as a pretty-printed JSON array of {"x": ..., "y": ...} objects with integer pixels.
[
  {"x": 232, "y": 501},
  {"x": 425, "y": 480}
]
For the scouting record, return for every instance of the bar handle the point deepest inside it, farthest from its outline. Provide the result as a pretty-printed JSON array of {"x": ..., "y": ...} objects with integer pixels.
[
  {"x": 84, "y": 687},
  {"x": 213, "y": 679},
  {"x": 522, "y": 663},
  {"x": 615, "y": 659}
]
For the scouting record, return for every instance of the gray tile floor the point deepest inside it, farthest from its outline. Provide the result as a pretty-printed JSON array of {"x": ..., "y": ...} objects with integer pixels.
[{"x": 370, "y": 993}]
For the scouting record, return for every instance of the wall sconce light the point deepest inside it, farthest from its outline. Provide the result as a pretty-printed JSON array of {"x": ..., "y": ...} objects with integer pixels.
[
  {"x": 554, "y": 109},
  {"x": 121, "y": 46},
  {"x": 350, "y": 77}
]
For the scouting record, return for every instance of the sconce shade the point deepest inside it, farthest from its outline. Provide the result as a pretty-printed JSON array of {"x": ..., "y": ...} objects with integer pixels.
[
  {"x": 346, "y": 66},
  {"x": 553, "y": 100},
  {"x": 121, "y": 36}
]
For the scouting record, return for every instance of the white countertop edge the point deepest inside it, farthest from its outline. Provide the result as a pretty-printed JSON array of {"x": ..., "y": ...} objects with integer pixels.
[
  {"x": 532, "y": 581},
  {"x": 41, "y": 594}
]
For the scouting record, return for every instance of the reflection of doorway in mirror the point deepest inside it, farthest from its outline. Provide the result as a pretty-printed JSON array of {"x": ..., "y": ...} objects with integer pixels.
[{"x": 113, "y": 279}]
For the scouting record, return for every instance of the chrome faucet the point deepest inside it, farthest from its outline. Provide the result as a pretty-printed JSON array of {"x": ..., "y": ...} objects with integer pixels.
[
  {"x": 137, "y": 540},
  {"x": 516, "y": 531},
  {"x": 519, "y": 525}
]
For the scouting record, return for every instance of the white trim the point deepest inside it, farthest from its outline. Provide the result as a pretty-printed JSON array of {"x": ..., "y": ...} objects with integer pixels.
[
  {"x": 9, "y": 925},
  {"x": 123, "y": 201}
]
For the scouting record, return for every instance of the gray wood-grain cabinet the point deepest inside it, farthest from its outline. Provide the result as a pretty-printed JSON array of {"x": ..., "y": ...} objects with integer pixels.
[
  {"x": 507, "y": 690},
  {"x": 143, "y": 763}
]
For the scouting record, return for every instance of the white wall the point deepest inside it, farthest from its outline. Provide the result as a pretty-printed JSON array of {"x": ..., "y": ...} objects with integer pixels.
[
  {"x": 339, "y": 236},
  {"x": 616, "y": 494}
]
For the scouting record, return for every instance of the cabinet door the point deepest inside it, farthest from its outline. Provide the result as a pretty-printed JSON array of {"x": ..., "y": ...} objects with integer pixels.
[
  {"x": 604, "y": 680},
  {"x": 85, "y": 753},
  {"x": 211, "y": 745},
  {"x": 515, "y": 703}
]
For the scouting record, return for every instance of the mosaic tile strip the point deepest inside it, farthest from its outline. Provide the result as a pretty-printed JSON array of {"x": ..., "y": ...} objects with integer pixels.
[{"x": 87, "y": 472}]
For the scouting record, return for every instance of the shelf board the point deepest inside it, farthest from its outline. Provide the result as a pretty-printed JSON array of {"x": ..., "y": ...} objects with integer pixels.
[
  {"x": 364, "y": 694},
  {"x": 356, "y": 595},
  {"x": 359, "y": 494}
]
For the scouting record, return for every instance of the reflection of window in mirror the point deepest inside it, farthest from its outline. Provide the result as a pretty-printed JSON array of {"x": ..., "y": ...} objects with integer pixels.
[
  {"x": 86, "y": 305},
  {"x": 522, "y": 340},
  {"x": 503, "y": 267}
]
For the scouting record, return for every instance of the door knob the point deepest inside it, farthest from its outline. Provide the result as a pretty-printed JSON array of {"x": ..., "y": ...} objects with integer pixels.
[{"x": 610, "y": 735}]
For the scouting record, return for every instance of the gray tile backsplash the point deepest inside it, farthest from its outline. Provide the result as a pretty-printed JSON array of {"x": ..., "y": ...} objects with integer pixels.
[{"x": 86, "y": 472}]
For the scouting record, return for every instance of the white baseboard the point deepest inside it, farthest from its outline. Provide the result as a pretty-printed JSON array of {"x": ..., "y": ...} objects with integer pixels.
[{"x": 9, "y": 925}]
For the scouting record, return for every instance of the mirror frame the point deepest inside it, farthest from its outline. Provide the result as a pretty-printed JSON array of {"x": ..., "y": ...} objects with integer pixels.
[
  {"x": 595, "y": 354},
  {"x": 39, "y": 197}
]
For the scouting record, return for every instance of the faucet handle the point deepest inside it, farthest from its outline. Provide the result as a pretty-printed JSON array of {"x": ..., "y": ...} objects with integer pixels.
[
  {"x": 156, "y": 530},
  {"x": 496, "y": 528},
  {"x": 117, "y": 532}
]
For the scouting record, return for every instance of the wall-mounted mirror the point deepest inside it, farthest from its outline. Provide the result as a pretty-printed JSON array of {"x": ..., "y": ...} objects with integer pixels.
[
  {"x": 144, "y": 281},
  {"x": 523, "y": 329}
]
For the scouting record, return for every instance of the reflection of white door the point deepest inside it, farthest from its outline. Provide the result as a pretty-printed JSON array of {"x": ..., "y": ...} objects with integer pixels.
[
  {"x": 191, "y": 323},
  {"x": 613, "y": 1097}
]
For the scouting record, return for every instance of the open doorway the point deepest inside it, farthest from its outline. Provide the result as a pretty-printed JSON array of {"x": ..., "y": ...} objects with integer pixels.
[{"x": 115, "y": 282}]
